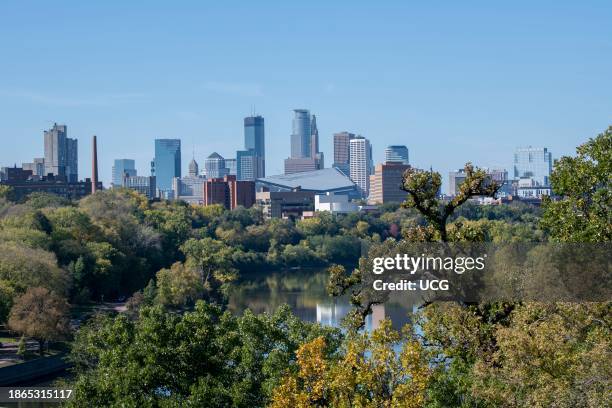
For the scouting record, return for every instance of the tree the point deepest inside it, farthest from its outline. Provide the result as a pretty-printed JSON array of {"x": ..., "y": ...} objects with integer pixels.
[
  {"x": 368, "y": 372},
  {"x": 178, "y": 286},
  {"x": 202, "y": 357},
  {"x": 584, "y": 182},
  {"x": 423, "y": 188},
  {"x": 212, "y": 260},
  {"x": 42, "y": 315}
]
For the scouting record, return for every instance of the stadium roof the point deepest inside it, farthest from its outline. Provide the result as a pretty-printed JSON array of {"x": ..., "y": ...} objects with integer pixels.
[{"x": 330, "y": 179}]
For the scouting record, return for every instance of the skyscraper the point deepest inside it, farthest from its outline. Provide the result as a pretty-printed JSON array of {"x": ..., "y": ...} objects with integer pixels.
[
  {"x": 342, "y": 151},
  {"x": 254, "y": 139},
  {"x": 305, "y": 155},
  {"x": 534, "y": 163},
  {"x": 314, "y": 144},
  {"x": 215, "y": 166},
  {"x": 301, "y": 136},
  {"x": 249, "y": 166},
  {"x": 72, "y": 160},
  {"x": 61, "y": 153},
  {"x": 121, "y": 168},
  {"x": 167, "y": 162},
  {"x": 361, "y": 163},
  {"x": 397, "y": 154},
  {"x": 194, "y": 169}
]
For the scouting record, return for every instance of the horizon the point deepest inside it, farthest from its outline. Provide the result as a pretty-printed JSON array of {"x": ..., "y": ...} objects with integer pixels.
[{"x": 454, "y": 84}]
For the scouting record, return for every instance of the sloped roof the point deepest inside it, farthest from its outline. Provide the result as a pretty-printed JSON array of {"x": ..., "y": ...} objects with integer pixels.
[{"x": 318, "y": 180}]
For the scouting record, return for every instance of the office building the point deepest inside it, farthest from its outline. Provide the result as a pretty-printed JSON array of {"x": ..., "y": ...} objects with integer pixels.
[
  {"x": 249, "y": 166},
  {"x": 361, "y": 163},
  {"x": 61, "y": 153},
  {"x": 314, "y": 144},
  {"x": 189, "y": 189},
  {"x": 305, "y": 155},
  {"x": 455, "y": 179},
  {"x": 215, "y": 167},
  {"x": 193, "y": 170},
  {"x": 533, "y": 162},
  {"x": 254, "y": 139},
  {"x": 145, "y": 185},
  {"x": 121, "y": 168},
  {"x": 301, "y": 135},
  {"x": 167, "y": 163},
  {"x": 342, "y": 151},
  {"x": 396, "y": 153},
  {"x": 229, "y": 192},
  {"x": 386, "y": 182},
  {"x": 232, "y": 167}
]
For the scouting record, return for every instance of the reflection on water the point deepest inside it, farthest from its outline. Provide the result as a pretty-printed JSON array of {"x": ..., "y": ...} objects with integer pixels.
[{"x": 304, "y": 291}]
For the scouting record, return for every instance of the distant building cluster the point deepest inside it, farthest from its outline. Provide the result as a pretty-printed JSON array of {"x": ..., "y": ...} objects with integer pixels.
[
  {"x": 305, "y": 187},
  {"x": 55, "y": 173}
]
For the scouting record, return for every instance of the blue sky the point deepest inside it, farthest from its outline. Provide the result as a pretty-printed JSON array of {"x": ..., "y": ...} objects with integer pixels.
[{"x": 454, "y": 81}]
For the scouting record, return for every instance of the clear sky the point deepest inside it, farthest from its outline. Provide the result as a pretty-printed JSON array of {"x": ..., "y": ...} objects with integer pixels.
[{"x": 454, "y": 81}]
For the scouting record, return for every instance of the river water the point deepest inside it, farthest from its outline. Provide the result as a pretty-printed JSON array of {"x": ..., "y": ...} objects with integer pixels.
[{"x": 304, "y": 291}]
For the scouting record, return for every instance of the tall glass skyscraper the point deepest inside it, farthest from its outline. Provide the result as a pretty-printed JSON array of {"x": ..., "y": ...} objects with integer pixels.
[
  {"x": 167, "y": 162},
  {"x": 121, "y": 168},
  {"x": 396, "y": 153},
  {"x": 534, "y": 163},
  {"x": 301, "y": 136},
  {"x": 254, "y": 138}
]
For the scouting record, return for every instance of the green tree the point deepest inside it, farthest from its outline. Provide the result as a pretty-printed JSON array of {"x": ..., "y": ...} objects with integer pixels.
[
  {"x": 203, "y": 357},
  {"x": 584, "y": 182},
  {"x": 423, "y": 188},
  {"x": 212, "y": 260},
  {"x": 179, "y": 286}
]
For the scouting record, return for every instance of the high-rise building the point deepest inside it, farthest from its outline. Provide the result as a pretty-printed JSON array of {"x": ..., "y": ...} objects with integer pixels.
[
  {"x": 61, "y": 153},
  {"x": 314, "y": 145},
  {"x": 231, "y": 166},
  {"x": 342, "y": 151},
  {"x": 193, "y": 168},
  {"x": 397, "y": 154},
  {"x": 143, "y": 184},
  {"x": 455, "y": 179},
  {"x": 122, "y": 168},
  {"x": 167, "y": 162},
  {"x": 361, "y": 163},
  {"x": 305, "y": 155},
  {"x": 72, "y": 160},
  {"x": 386, "y": 182},
  {"x": 254, "y": 139},
  {"x": 534, "y": 163},
  {"x": 215, "y": 166},
  {"x": 301, "y": 136},
  {"x": 249, "y": 166}
]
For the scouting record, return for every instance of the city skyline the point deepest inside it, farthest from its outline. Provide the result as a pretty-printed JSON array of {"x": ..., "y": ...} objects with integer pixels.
[{"x": 452, "y": 83}]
